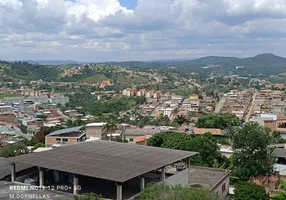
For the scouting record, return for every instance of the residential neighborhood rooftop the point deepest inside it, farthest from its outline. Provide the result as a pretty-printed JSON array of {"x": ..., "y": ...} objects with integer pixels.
[
  {"x": 65, "y": 131},
  {"x": 206, "y": 177},
  {"x": 104, "y": 159}
]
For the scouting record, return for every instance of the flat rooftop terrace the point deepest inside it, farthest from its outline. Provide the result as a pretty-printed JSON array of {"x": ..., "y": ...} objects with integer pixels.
[{"x": 206, "y": 177}]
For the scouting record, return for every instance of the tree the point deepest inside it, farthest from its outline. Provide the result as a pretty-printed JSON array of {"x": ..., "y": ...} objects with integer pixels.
[
  {"x": 120, "y": 139},
  {"x": 218, "y": 120},
  {"x": 165, "y": 192},
  {"x": 181, "y": 120},
  {"x": 24, "y": 129},
  {"x": 13, "y": 150},
  {"x": 252, "y": 156},
  {"x": 206, "y": 145},
  {"x": 249, "y": 191},
  {"x": 281, "y": 195}
]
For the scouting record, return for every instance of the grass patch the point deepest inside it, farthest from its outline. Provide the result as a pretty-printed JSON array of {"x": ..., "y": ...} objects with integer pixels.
[{"x": 4, "y": 95}]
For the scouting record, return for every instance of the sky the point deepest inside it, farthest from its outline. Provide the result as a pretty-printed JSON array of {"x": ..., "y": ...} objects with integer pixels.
[{"x": 124, "y": 30}]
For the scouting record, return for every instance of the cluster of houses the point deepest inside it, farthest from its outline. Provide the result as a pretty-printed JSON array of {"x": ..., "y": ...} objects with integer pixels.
[
  {"x": 237, "y": 102},
  {"x": 269, "y": 101}
]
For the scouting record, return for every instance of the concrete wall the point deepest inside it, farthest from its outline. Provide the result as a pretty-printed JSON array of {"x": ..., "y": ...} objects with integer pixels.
[
  {"x": 180, "y": 178},
  {"x": 219, "y": 188},
  {"x": 95, "y": 131},
  {"x": 270, "y": 124},
  {"x": 49, "y": 141}
]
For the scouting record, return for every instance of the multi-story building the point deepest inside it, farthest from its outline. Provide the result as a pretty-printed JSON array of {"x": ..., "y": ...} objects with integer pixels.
[
  {"x": 96, "y": 130},
  {"x": 6, "y": 109},
  {"x": 191, "y": 105}
]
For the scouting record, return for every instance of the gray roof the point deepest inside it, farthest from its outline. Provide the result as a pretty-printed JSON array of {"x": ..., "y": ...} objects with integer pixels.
[
  {"x": 5, "y": 168},
  {"x": 104, "y": 159},
  {"x": 65, "y": 131},
  {"x": 141, "y": 132},
  {"x": 208, "y": 178},
  {"x": 279, "y": 153}
]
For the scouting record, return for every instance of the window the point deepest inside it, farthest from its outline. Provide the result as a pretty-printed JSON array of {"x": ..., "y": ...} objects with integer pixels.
[
  {"x": 131, "y": 139},
  {"x": 65, "y": 140},
  {"x": 58, "y": 140},
  {"x": 223, "y": 188}
]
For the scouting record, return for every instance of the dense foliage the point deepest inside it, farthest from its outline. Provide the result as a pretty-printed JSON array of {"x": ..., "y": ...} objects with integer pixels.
[
  {"x": 252, "y": 156},
  {"x": 13, "y": 150},
  {"x": 90, "y": 105},
  {"x": 165, "y": 192},
  {"x": 281, "y": 195},
  {"x": 205, "y": 144},
  {"x": 249, "y": 191},
  {"x": 27, "y": 71},
  {"x": 218, "y": 120}
]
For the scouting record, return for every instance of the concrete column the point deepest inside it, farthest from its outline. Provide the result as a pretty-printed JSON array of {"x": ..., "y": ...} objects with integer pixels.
[
  {"x": 189, "y": 168},
  {"x": 119, "y": 191},
  {"x": 163, "y": 174},
  {"x": 75, "y": 185},
  {"x": 13, "y": 172},
  {"x": 142, "y": 183},
  {"x": 41, "y": 177}
]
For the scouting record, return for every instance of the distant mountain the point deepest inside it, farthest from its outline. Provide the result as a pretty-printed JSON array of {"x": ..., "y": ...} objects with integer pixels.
[
  {"x": 54, "y": 62},
  {"x": 268, "y": 64}
]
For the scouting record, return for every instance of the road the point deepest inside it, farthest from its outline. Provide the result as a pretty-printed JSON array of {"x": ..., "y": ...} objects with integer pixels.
[
  {"x": 250, "y": 107},
  {"x": 219, "y": 105}
]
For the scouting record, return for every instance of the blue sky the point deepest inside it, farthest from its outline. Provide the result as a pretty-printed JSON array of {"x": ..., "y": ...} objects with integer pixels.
[
  {"x": 90, "y": 30},
  {"x": 130, "y": 4}
]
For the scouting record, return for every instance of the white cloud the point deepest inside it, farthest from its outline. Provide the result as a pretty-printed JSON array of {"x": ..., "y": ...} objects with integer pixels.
[{"x": 92, "y": 29}]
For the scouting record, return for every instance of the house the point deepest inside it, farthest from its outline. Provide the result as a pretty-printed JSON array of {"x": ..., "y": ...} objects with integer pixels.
[
  {"x": 168, "y": 111},
  {"x": 150, "y": 93},
  {"x": 157, "y": 95},
  {"x": 6, "y": 109},
  {"x": 96, "y": 130},
  {"x": 216, "y": 180},
  {"x": 132, "y": 134},
  {"x": 129, "y": 92},
  {"x": 191, "y": 105},
  {"x": 65, "y": 136},
  {"x": 279, "y": 86},
  {"x": 194, "y": 97}
]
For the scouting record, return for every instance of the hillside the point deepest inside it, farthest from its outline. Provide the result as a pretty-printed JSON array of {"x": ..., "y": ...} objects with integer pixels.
[
  {"x": 260, "y": 64},
  {"x": 95, "y": 78},
  {"x": 27, "y": 71},
  {"x": 267, "y": 64}
]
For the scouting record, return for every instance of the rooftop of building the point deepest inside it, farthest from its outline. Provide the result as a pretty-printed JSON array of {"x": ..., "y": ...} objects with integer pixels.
[
  {"x": 5, "y": 169},
  {"x": 106, "y": 160},
  {"x": 207, "y": 178},
  {"x": 141, "y": 132},
  {"x": 96, "y": 124},
  {"x": 67, "y": 131}
]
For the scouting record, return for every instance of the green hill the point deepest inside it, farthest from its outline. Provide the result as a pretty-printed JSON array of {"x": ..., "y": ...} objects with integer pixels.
[{"x": 98, "y": 77}]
